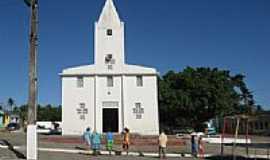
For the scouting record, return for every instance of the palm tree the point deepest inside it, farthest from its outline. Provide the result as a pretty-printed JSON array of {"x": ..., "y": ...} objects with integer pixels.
[
  {"x": 245, "y": 95},
  {"x": 11, "y": 103}
]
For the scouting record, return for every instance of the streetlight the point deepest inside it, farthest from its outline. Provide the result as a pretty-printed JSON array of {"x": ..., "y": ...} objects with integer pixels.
[{"x": 32, "y": 99}]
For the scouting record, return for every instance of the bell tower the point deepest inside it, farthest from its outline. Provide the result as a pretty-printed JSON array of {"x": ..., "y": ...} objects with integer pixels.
[{"x": 109, "y": 38}]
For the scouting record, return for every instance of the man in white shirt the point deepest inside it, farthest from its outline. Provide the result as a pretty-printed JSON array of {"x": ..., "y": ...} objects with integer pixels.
[{"x": 162, "y": 145}]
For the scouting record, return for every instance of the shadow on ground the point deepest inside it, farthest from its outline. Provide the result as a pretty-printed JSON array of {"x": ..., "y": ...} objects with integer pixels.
[
  {"x": 11, "y": 148},
  {"x": 232, "y": 158}
]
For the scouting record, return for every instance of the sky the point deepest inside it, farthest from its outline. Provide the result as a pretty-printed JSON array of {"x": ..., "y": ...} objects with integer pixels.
[{"x": 165, "y": 34}]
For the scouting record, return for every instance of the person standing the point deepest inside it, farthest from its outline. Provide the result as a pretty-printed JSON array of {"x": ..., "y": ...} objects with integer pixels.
[
  {"x": 126, "y": 141},
  {"x": 109, "y": 139},
  {"x": 162, "y": 145},
  {"x": 200, "y": 148},
  {"x": 95, "y": 142},
  {"x": 193, "y": 145},
  {"x": 87, "y": 136}
]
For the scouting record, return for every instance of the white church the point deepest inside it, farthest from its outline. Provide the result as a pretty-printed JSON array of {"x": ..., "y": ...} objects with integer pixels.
[{"x": 110, "y": 94}]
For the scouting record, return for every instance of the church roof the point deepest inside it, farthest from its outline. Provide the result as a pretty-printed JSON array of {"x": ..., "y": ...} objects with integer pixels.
[
  {"x": 109, "y": 16},
  {"x": 89, "y": 70}
]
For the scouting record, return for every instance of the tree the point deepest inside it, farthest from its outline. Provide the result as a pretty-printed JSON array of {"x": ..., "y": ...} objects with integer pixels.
[
  {"x": 11, "y": 102},
  {"x": 195, "y": 95},
  {"x": 23, "y": 113},
  {"x": 45, "y": 113},
  {"x": 247, "y": 101},
  {"x": 49, "y": 113}
]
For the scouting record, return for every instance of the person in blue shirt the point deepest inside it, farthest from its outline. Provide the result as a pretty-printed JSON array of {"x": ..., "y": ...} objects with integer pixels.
[
  {"x": 109, "y": 139},
  {"x": 87, "y": 136},
  {"x": 193, "y": 145},
  {"x": 95, "y": 142}
]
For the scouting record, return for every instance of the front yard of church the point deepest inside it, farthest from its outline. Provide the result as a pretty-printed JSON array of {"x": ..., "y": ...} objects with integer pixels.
[{"x": 139, "y": 144}]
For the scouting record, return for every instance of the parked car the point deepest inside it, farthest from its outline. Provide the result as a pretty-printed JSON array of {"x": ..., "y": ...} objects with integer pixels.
[
  {"x": 49, "y": 131},
  {"x": 13, "y": 127},
  {"x": 42, "y": 130}
]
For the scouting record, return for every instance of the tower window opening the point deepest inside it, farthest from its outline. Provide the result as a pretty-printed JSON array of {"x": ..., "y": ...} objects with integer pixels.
[
  {"x": 108, "y": 58},
  {"x": 80, "y": 82},
  {"x": 139, "y": 81},
  {"x": 109, "y": 81},
  {"x": 109, "y": 32}
]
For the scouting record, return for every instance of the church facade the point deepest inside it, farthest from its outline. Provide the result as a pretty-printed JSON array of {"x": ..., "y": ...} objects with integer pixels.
[{"x": 110, "y": 94}]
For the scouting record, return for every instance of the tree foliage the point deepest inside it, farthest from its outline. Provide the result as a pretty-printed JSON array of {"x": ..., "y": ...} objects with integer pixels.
[
  {"x": 49, "y": 113},
  {"x": 195, "y": 95},
  {"x": 10, "y": 104},
  {"x": 44, "y": 113}
]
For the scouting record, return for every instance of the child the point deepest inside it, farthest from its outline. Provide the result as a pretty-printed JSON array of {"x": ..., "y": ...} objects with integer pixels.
[
  {"x": 109, "y": 138},
  {"x": 126, "y": 141}
]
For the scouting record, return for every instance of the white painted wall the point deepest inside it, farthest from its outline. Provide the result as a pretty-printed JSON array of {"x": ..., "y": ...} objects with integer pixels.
[
  {"x": 109, "y": 44},
  {"x": 72, "y": 96},
  {"x": 108, "y": 94},
  {"x": 147, "y": 96}
]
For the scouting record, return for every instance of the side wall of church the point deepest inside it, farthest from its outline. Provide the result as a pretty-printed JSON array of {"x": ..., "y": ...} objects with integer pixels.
[
  {"x": 147, "y": 97},
  {"x": 75, "y": 122}
]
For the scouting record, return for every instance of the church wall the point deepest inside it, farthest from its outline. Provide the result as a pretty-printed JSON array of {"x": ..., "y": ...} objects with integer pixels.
[
  {"x": 72, "y": 96},
  {"x": 107, "y": 94},
  {"x": 147, "y": 96}
]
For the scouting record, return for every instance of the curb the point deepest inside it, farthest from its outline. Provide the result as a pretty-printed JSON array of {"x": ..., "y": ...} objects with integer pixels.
[{"x": 137, "y": 154}]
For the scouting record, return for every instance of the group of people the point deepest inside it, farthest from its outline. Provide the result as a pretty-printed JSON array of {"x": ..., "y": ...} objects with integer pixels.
[
  {"x": 196, "y": 147},
  {"x": 93, "y": 140}
]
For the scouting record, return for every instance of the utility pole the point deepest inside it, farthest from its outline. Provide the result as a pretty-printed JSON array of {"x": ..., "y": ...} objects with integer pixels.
[{"x": 32, "y": 99}]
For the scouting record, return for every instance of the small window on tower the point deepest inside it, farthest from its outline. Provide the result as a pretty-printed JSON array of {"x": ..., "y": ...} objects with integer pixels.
[
  {"x": 80, "y": 82},
  {"x": 109, "y": 81},
  {"x": 139, "y": 81},
  {"x": 109, "y": 32}
]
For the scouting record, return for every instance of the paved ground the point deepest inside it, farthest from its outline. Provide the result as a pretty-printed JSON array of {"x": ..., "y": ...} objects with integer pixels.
[
  {"x": 60, "y": 156},
  {"x": 8, "y": 155},
  {"x": 18, "y": 139}
]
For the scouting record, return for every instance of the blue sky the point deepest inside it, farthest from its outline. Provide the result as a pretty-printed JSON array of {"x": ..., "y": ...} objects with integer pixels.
[{"x": 165, "y": 34}]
